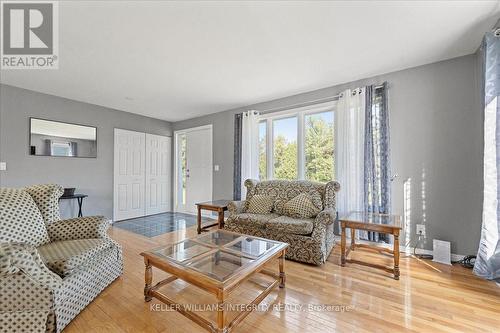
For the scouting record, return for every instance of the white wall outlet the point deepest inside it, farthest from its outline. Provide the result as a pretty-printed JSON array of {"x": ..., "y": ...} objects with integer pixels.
[
  {"x": 216, "y": 167},
  {"x": 3, "y": 166},
  {"x": 421, "y": 229}
]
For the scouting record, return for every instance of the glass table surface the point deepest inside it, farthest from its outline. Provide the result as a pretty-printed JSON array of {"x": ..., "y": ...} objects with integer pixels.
[
  {"x": 217, "y": 238},
  {"x": 373, "y": 218},
  {"x": 182, "y": 251},
  {"x": 253, "y": 247},
  {"x": 217, "y": 254},
  {"x": 219, "y": 264}
]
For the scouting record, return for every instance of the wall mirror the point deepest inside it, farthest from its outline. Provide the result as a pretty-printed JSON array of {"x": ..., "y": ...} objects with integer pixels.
[{"x": 55, "y": 138}]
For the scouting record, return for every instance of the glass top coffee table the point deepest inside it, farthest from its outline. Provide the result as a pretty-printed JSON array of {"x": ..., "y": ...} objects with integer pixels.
[{"x": 218, "y": 262}]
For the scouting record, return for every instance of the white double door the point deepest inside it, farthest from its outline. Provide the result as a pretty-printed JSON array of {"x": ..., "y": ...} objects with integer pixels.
[{"x": 142, "y": 169}]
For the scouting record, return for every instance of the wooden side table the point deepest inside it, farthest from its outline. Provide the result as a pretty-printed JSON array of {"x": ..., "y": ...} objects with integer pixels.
[
  {"x": 219, "y": 206},
  {"x": 382, "y": 223}
]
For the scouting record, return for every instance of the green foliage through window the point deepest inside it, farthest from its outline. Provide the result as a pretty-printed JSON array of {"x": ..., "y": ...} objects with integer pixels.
[{"x": 318, "y": 147}]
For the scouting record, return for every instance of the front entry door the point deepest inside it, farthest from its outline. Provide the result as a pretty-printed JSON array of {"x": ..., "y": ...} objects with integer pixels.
[{"x": 198, "y": 169}]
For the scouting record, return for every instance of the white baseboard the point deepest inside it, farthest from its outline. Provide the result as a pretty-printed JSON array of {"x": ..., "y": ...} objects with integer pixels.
[{"x": 403, "y": 249}]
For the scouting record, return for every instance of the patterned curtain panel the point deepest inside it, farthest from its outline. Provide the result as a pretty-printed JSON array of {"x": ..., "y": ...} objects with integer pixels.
[
  {"x": 237, "y": 156},
  {"x": 377, "y": 179},
  {"x": 488, "y": 257}
]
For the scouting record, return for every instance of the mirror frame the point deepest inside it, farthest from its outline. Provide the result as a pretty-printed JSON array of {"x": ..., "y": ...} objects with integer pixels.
[{"x": 62, "y": 122}]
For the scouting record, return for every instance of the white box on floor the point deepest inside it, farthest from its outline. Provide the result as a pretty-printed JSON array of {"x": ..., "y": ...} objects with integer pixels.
[{"x": 441, "y": 251}]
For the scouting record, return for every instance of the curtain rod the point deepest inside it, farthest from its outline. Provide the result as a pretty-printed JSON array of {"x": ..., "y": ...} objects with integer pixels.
[{"x": 315, "y": 101}]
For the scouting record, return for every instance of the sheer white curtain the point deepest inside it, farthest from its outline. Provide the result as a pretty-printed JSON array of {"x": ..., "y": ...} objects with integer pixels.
[
  {"x": 350, "y": 140},
  {"x": 487, "y": 264},
  {"x": 249, "y": 148}
]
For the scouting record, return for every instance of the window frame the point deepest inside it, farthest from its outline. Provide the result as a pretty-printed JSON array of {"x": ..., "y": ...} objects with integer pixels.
[{"x": 300, "y": 114}]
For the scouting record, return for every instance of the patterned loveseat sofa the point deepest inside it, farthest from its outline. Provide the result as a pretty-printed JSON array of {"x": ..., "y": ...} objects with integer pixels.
[
  {"x": 50, "y": 269},
  {"x": 311, "y": 239}
]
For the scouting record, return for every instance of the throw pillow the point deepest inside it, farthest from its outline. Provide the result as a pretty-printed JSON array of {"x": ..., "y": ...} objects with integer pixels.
[
  {"x": 260, "y": 204},
  {"x": 301, "y": 206},
  {"x": 20, "y": 219}
]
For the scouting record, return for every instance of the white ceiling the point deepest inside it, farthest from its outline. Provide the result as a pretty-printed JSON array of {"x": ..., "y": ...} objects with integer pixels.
[{"x": 178, "y": 60}]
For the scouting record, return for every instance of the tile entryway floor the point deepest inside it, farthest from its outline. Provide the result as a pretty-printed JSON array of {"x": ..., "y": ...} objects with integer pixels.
[{"x": 154, "y": 225}]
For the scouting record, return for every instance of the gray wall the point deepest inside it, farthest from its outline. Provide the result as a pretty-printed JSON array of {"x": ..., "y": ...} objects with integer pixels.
[
  {"x": 436, "y": 140},
  {"x": 93, "y": 176}
]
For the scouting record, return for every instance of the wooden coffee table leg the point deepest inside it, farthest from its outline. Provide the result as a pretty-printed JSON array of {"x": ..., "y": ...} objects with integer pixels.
[
  {"x": 342, "y": 245},
  {"x": 396, "y": 256},
  {"x": 220, "y": 312},
  {"x": 199, "y": 220},
  {"x": 148, "y": 278},
  {"x": 281, "y": 260}
]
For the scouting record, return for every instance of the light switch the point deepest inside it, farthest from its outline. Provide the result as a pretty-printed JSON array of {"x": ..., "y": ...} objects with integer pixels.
[
  {"x": 3, "y": 166},
  {"x": 216, "y": 167}
]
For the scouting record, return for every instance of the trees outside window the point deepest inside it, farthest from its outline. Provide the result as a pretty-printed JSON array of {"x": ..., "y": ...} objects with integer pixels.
[
  {"x": 299, "y": 146},
  {"x": 285, "y": 148},
  {"x": 318, "y": 148}
]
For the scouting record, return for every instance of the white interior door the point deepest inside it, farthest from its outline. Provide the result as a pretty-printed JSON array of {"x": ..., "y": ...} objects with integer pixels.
[
  {"x": 198, "y": 169},
  {"x": 157, "y": 174},
  {"x": 129, "y": 174}
]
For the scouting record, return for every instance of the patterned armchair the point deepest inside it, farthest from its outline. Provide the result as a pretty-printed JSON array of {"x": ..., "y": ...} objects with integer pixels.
[
  {"x": 311, "y": 239},
  {"x": 50, "y": 269}
]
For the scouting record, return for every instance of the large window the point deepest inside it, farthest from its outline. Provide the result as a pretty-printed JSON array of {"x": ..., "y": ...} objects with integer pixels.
[
  {"x": 262, "y": 150},
  {"x": 298, "y": 144},
  {"x": 285, "y": 148}
]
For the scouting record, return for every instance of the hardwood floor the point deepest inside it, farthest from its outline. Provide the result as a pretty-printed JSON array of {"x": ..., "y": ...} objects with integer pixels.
[{"x": 429, "y": 297}]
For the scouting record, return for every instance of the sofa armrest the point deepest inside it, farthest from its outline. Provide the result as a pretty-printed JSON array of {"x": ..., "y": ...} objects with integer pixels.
[
  {"x": 236, "y": 207},
  {"x": 23, "y": 259},
  {"x": 29, "y": 289},
  {"x": 79, "y": 228},
  {"x": 326, "y": 216},
  {"x": 322, "y": 222}
]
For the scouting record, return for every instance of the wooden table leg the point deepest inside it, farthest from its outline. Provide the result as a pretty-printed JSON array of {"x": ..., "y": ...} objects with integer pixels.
[
  {"x": 220, "y": 219},
  {"x": 353, "y": 239},
  {"x": 342, "y": 245},
  {"x": 396, "y": 256},
  {"x": 199, "y": 220},
  {"x": 148, "y": 278},
  {"x": 281, "y": 260},
  {"x": 220, "y": 313}
]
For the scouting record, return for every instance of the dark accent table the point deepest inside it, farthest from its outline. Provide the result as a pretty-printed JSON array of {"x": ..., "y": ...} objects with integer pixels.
[
  {"x": 219, "y": 206},
  {"x": 79, "y": 198}
]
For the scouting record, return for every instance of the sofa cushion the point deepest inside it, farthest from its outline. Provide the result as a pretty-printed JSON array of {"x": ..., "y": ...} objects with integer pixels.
[
  {"x": 20, "y": 219},
  {"x": 46, "y": 198},
  {"x": 63, "y": 257},
  {"x": 301, "y": 206},
  {"x": 290, "y": 225},
  {"x": 249, "y": 220},
  {"x": 260, "y": 204}
]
